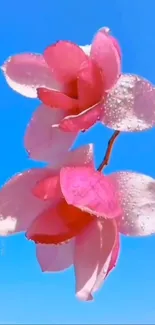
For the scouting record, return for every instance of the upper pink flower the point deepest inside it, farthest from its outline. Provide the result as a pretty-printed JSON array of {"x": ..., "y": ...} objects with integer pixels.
[
  {"x": 86, "y": 84},
  {"x": 84, "y": 211}
]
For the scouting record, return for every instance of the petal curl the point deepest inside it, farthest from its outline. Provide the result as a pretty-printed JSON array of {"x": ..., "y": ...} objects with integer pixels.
[
  {"x": 90, "y": 191},
  {"x": 93, "y": 249},
  {"x": 50, "y": 144},
  {"x": 130, "y": 105},
  {"x": 26, "y": 72},
  {"x": 137, "y": 197},
  {"x": 105, "y": 54},
  {"x": 55, "y": 258},
  {"x": 18, "y": 206},
  {"x": 82, "y": 121}
]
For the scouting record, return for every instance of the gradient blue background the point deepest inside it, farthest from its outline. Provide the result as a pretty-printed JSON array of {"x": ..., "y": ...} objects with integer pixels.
[{"x": 26, "y": 294}]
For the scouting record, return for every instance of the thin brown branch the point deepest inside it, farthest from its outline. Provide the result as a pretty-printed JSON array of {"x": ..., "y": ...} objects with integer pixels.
[{"x": 107, "y": 156}]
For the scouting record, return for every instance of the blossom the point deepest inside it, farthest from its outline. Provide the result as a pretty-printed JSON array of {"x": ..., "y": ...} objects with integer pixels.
[
  {"x": 75, "y": 217},
  {"x": 86, "y": 83},
  {"x": 33, "y": 202},
  {"x": 75, "y": 81}
]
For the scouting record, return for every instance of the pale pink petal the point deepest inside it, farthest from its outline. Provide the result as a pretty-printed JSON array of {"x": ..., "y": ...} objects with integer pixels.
[
  {"x": 137, "y": 197},
  {"x": 54, "y": 258},
  {"x": 26, "y": 72},
  {"x": 90, "y": 85},
  {"x": 113, "y": 39},
  {"x": 116, "y": 44},
  {"x": 82, "y": 121},
  {"x": 130, "y": 105},
  {"x": 107, "y": 57},
  {"x": 90, "y": 191},
  {"x": 18, "y": 206},
  {"x": 57, "y": 99},
  {"x": 50, "y": 144},
  {"x": 93, "y": 249},
  {"x": 115, "y": 254},
  {"x": 64, "y": 59},
  {"x": 48, "y": 188}
]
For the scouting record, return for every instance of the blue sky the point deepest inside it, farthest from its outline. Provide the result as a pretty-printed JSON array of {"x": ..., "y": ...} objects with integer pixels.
[{"x": 28, "y": 296}]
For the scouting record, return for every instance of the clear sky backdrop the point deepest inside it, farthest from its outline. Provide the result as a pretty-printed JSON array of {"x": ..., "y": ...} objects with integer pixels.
[{"x": 26, "y": 294}]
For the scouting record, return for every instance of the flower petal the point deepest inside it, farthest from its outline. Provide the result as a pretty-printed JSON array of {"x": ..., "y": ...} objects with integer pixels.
[
  {"x": 115, "y": 254},
  {"x": 90, "y": 84},
  {"x": 107, "y": 57},
  {"x": 58, "y": 224},
  {"x": 117, "y": 46},
  {"x": 50, "y": 144},
  {"x": 55, "y": 258},
  {"x": 93, "y": 249},
  {"x": 113, "y": 39},
  {"x": 18, "y": 206},
  {"x": 130, "y": 105},
  {"x": 48, "y": 228},
  {"x": 64, "y": 59},
  {"x": 82, "y": 121},
  {"x": 90, "y": 191},
  {"x": 137, "y": 197},
  {"x": 57, "y": 99},
  {"x": 48, "y": 188},
  {"x": 26, "y": 72}
]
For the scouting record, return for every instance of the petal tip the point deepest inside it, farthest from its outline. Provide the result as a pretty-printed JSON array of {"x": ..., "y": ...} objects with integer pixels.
[{"x": 84, "y": 296}]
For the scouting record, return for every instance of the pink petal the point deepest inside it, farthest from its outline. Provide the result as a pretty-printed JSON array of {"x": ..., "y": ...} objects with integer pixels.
[
  {"x": 65, "y": 58},
  {"x": 51, "y": 145},
  {"x": 107, "y": 57},
  {"x": 18, "y": 206},
  {"x": 90, "y": 84},
  {"x": 130, "y": 105},
  {"x": 115, "y": 254},
  {"x": 137, "y": 197},
  {"x": 90, "y": 191},
  {"x": 58, "y": 224},
  {"x": 82, "y": 121},
  {"x": 57, "y": 99},
  {"x": 48, "y": 228},
  {"x": 93, "y": 249},
  {"x": 48, "y": 188},
  {"x": 26, "y": 72},
  {"x": 113, "y": 39},
  {"x": 117, "y": 46},
  {"x": 54, "y": 258}
]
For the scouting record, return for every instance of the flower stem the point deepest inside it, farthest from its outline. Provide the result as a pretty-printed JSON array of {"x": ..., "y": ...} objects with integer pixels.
[{"x": 107, "y": 156}]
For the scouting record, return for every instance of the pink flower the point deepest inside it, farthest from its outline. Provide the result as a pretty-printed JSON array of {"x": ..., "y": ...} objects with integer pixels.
[
  {"x": 67, "y": 77},
  {"x": 86, "y": 84},
  {"x": 84, "y": 211}
]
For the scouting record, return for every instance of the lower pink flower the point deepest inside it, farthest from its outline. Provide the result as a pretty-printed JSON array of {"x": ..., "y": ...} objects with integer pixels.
[{"x": 75, "y": 217}]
